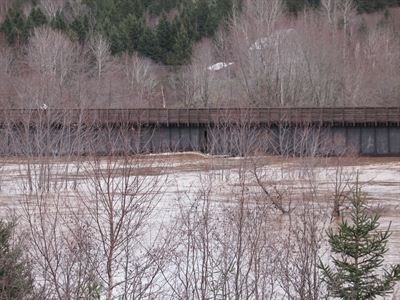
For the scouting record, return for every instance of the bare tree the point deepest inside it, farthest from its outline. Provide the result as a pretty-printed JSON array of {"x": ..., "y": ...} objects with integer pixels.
[
  {"x": 6, "y": 59},
  {"x": 297, "y": 62},
  {"x": 339, "y": 9},
  {"x": 223, "y": 248},
  {"x": 51, "y": 7},
  {"x": 329, "y": 7},
  {"x": 51, "y": 53},
  {"x": 60, "y": 247},
  {"x": 6, "y": 63},
  {"x": 302, "y": 245},
  {"x": 100, "y": 49},
  {"x": 197, "y": 83},
  {"x": 342, "y": 186},
  {"x": 262, "y": 16},
  {"x": 76, "y": 7},
  {"x": 139, "y": 79},
  {"x": 4, "y": 7},
  {"x": 52, "y": 60},
  {"x": 119, "y": 199}
]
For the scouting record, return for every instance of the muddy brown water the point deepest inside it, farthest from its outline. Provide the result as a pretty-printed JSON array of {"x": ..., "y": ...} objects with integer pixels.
[{"x": 379, "y": 178}]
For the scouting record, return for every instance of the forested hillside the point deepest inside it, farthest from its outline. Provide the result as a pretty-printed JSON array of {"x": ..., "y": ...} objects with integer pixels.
[
  {"x": 199, "y": 53},
  {"x": 294, "y": 6},
  {"x": 163, "y": 30},
  {"x": 127, "y": 24}
]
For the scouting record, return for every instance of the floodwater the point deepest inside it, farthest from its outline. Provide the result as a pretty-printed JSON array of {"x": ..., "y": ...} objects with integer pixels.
[{"x": 379, "y": 179}]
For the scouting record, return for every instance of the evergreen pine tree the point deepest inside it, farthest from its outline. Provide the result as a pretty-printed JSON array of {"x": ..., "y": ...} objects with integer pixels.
[
  {"x": 186, "y": 19},
  {"x": 164, "y": 37},
  {"x": 148, "y": 44},
  {"x": 370, "y": 5},
  {"x": 358, "y": 249},
  {"x": 79, "y": 28},
  {"x": 294, "y": 6},
  {"x": 224, "y": 7},
  {"x": 155, "y": 8},
  {"x": 137, "y": 9},
  {"x": 182, "y": 49},
  {"x": 126, "y": 7},
  {"x": 15, "y": 27},
  {"x": 131, "y": 31},
  {"x": 36, "y": 18},
  {"x": 15, "y": 276},
  {"x": 58, "y": 22},
  {"x": 106, "y": 9},
  {"x": 116, "y": 40},
  {"x": 202, "y": 15}
]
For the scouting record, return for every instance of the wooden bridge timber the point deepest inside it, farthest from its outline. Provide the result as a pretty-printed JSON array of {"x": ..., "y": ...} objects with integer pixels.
[
  {"x": 346, "y": 116},
  {"x": 362, "y": 130}
]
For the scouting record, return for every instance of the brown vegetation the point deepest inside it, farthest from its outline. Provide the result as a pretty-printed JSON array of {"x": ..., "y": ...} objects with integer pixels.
[{"x": 331, "y": 57}]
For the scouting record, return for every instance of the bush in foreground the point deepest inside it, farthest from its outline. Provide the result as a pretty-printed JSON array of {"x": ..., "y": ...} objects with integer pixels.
[
  {"x": 358, "y": 249},
  {"x": 15, "y": 274}
]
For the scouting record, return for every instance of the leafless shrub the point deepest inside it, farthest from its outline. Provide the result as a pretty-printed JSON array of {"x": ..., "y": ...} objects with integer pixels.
[
  {"x": 261, "y": 16},
  {"x": 195, "y": 81},
  {"x": 6, "y": 63},
  {"x": 238, "y": 138},
  {"x": 6, "y": 60},
  {"x": 76, "y": 8},
  {"x": 51, "y": 7},
  {"x": 342, "y": 187},
  {"x": 59, "y": 244},
  {"x": 4, "y": 7},
  {"x": 50, "y": 74},
  {"x": 247, "y": 256},
  {"x": 51, "y": 53},
  {"x": 139, "y": 79},
  {"x": 223, "y": 249},
  {"x": 301, "y": 245},
  {"x": 100, "y": 49},
  {"x": 313, "y": 60},
  {"x": 119, "y": 200}
]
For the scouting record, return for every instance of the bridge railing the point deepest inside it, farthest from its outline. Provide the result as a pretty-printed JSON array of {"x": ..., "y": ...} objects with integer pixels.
[{"x": 161, "y": 116}]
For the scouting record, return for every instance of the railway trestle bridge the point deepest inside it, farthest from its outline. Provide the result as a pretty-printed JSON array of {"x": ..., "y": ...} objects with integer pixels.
[{"x": 361, "y": 130}]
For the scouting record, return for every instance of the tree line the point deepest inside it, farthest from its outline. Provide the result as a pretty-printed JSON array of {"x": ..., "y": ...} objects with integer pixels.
[
  {"x": 125, "y": 23},
  {"x": 363, "y": 6},
  {"x": 326, "y": 57}
]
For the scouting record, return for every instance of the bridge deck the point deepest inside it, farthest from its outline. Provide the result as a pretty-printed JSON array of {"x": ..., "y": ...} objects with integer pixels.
[{"x": 190, "y": 117}]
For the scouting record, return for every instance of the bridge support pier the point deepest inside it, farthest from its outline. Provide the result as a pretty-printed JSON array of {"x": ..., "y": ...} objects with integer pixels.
[{"x": 229, "y": 140}]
